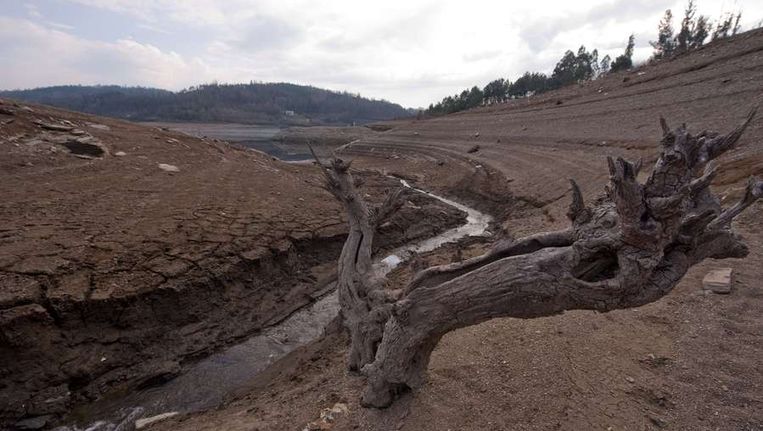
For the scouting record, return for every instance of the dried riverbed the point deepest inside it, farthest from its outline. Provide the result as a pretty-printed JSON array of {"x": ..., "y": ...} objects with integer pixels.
[{"x": 206, "y": 384}]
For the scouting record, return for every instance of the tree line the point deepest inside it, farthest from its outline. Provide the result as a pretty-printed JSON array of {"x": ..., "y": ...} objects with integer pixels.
[
  {"x": 570, "y": 69},
  {"x": 582, "y": 66},
  {"x": 694, "y": 30},
  {"x": 253, "y": 103}
]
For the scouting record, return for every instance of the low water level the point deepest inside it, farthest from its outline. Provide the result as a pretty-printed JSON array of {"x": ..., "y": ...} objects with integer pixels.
[
  {"x": 255, "y": 136},
  {"x": 205, "y": 384}
]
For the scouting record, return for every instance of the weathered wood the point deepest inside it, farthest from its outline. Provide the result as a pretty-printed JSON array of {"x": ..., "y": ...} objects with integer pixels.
[
  {"x": 365, "y": 306},
  {"x": 629, "y": 249}
]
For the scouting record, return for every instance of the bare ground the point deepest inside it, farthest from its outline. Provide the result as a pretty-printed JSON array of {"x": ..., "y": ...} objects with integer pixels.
[
  {"x": 127, "y": 251},
  {"x": 691, "y": 361}
]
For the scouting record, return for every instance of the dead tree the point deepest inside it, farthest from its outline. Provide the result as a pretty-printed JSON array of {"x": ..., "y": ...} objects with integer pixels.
[{"x": 630, "y": 248}]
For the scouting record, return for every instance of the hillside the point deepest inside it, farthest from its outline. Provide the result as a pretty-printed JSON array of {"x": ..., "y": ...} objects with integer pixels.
[{"x": 255, "y": 103}]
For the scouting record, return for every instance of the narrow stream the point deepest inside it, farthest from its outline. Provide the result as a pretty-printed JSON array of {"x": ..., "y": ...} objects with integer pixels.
[{"x": 205, "y": 384}]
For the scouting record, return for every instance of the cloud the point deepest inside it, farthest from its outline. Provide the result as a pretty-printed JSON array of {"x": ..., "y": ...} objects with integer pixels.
[
  {"x": 540, "y": 33},
  {"x": 265, "y": 33},
  {"x": 409, "y": 52},
  {"x": 45, "y": 56}
]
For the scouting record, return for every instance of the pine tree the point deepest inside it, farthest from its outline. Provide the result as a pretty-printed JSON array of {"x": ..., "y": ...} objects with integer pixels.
[
  {"x": 604, "y": 65},
  {"x": 625, "y": 61},
  {"x": 727, "y": 26},
  {"x": 664, "y": 47},
  {"x": 594, "y": 61},
  {"x": 701, "y": 30},
  {"x": 684, "y": 38}
]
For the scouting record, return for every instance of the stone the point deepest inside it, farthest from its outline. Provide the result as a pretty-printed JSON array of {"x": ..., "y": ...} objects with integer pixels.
[
  {"x": 34, "y": 423},
  {"x": 718, "y": 281},
  {"x": 99, "y": 126},
  {"x": 120, "y": 154},
  {"x": 16, "y": 289},
  {"x": 168, "y": 168},
  {"x": 53, "y": 127},
  {"x": 144, "y": 422}
]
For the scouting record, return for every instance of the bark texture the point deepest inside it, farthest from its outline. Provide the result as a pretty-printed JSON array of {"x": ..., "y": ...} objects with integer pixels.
[
  {"x": 365, "y": 307},
  {"x": 627, "y": 249}
]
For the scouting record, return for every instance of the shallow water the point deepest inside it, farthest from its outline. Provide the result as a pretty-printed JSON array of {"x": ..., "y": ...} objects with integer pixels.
[
  {"x": 204, "y": 384},
  {"x": 254, "y": 136}
]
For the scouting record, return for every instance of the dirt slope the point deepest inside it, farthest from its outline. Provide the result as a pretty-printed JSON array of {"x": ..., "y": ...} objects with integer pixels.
[
  {"x": 691, "y": 361},
  {"x": 126, "y": 251}
]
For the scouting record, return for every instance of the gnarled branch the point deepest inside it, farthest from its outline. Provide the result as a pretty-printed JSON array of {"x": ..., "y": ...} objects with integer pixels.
[{"x": 630, "y": 248}]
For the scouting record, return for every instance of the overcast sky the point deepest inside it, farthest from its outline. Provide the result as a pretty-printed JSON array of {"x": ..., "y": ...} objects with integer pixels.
[{"x": 412, "y": 52}]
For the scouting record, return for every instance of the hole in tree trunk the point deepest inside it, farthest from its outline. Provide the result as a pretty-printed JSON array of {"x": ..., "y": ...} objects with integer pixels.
[{"x": 601, "y": 266}]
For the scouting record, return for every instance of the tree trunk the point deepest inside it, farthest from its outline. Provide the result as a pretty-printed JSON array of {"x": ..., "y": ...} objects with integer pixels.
[{"x": 631, "y": 248}]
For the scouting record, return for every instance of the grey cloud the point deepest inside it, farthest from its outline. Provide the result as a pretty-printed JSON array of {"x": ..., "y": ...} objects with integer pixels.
[
  {"x": 266, "y": 33},
  {"x": 407, "y": 30},
  {"x": 538, "y": 35}
]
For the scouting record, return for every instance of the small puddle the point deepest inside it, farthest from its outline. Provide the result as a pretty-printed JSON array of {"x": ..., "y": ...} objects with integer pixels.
[{"x": 206, "y": 383}]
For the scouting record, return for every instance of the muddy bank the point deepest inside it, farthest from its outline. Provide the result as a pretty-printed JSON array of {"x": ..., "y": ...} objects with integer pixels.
[
  {"x": 66, "y": 350},
  {"x": 206, "y": 383},
  {"x": 320, "y": 136}
]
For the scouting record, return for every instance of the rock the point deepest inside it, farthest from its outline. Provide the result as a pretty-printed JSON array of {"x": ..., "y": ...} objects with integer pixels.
[
  {"x": 34, "y": 423},
  {"x": 53, "y": 127},
  {"x": 718, "y": 281},
  {"x": 144, "y": 422},
  {"x": 50, "y": 400},
  {"x": 99, "y": 126},
  {"x": 658, "y": 421},
  {"x": 630, "y": 379},
  {"x": 6, "y": 111},
  {"x": 168, "y": 168},
  {"x": 120, "y": 154},
  {"x": 318, "y": 426},
  {"x": 16, "y": 289},
  {"x": 473, "y": 149},
  {"x": 476, "y": 134}
]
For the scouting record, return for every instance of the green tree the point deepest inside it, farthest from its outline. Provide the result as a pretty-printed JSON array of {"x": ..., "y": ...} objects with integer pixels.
[
  {"x": 529, "y": 83},
  {"x": 625, "y": 61},
  {"x": 728, "y": 25},
  {"x": 684, "y": 37},
  {"x": 664, "y": 46},
  {"x": 605, "y": 64},
  {"x": 702, "y": 29},
  {"x": 496, "y": 91},
  {"x": 564, "y": 71}
]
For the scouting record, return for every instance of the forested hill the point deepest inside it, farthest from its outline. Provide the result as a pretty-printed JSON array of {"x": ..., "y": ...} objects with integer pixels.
[{"x": 276, "y": 103}]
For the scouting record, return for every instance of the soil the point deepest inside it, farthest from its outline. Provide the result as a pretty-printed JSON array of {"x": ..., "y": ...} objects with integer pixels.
[
  {"x": 691, "y": 361},
  {"x": 128, "y": 251}
]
